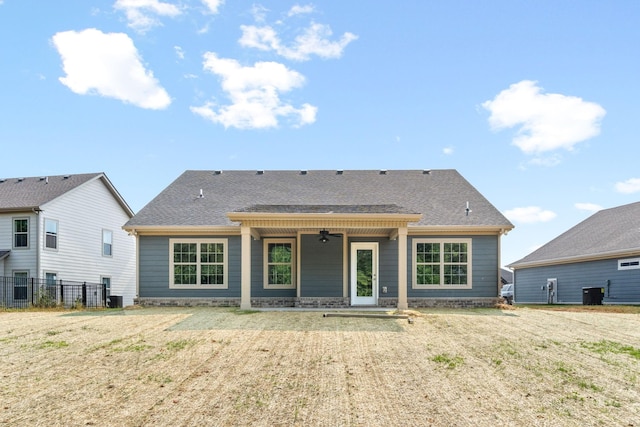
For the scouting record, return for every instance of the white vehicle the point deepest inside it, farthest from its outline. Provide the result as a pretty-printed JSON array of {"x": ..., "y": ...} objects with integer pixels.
[{"x": 507, "y": 293}]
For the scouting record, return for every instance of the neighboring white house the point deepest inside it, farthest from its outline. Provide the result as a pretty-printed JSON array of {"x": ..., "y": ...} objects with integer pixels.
[{"x": 67, "y": 227}]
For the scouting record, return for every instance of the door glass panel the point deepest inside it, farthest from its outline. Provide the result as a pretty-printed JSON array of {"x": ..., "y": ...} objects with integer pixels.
[{"x": 365, "y": 273}]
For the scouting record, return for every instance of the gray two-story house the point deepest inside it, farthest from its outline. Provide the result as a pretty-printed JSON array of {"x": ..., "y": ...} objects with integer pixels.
[{"x": 64, "y": 227}]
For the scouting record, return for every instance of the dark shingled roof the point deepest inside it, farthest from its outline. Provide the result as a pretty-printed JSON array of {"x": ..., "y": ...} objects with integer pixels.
[
  {"x": 22, "y": 194},
  {"x": 440, "y": 195},
  {"x": 604, "y": 234},
  {"x": 373, "y": 209}
]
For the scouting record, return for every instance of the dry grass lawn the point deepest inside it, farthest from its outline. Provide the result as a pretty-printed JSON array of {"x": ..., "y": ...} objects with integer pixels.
[{"x": 225, "y": 367}]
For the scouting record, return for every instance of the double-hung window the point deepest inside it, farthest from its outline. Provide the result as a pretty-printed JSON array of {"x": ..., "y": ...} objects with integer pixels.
[
  {"x": 279, "y": 265},
  {"x": 198, "y": 263},
  {"x": 107, "y": 243},
  {"x": 442, "y": 263},
  {"x": 21, "y": 232},
  {"x": 50, "y": 234}
]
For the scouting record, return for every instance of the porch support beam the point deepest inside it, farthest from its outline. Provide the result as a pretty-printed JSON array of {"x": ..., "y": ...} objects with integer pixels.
[
  {"x": 245, "y": 272},
  {"x": 402, "y": 269}
]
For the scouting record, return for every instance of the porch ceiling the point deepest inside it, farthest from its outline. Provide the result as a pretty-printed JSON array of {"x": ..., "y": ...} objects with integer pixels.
[{"x": 351, "y": 231}]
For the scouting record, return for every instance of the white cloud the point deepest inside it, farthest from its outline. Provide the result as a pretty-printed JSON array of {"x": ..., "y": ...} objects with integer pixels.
[
  {"x": 179, "y": 52},
  {"x": 142, "y": 15},
  {"x": 590, "y": 207},
  {"x": 547, "y": 121},
  {"x": 632, "y": 185},
  {"x": 259, "y": 12},
  {"x": 255, "y": 95},
  {"x": 314, "y": 40},
  {"x": 300, "y": 10},
  {"x": 213, "y": 5},
  {"x": 529, "y": 215},
  {"x": 108, "y": 64},
  {"x": 447, "y": 151}
]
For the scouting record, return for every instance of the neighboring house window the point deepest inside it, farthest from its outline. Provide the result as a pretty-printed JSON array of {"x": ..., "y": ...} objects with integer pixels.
[
  {"x": 629, "y": 264},
  {"x": 442, "y": 263},
  {"x": 20, "y": 282},
  {"x": 21, "y": 233},
  {"x": 50, "y": 234},
  {"x": 107, "y": 242},
  {"x": 279, "y": 266},
  {"x": 106, "y": 282},
  {"x": 50, "y": 278},
  {"x": 198, "y": 263}
]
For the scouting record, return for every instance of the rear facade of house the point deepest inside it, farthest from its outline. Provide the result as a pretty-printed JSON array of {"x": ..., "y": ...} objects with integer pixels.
[{"x": 319, "y": 239}]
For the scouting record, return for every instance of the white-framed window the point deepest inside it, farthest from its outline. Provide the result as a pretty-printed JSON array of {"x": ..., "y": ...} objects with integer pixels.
[
  {"x": 20, "y": 285},
  {"x": 50, "y": 233},
  {"x": 280, "y": 263},
  {"x": 20, "y": 233},
  {"x": 107, "y": 243},
  {"x": 442, "y": 263},
  {"x": 198, "y": 263},
  {"x": 629, "y": 264},
  {"x": 106, "y": 282},
  {"x": 50, "y": 278}
]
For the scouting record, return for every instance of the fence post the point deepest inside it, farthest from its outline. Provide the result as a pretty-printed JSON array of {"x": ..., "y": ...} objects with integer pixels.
[
  {"x": 84, "y": 294},
  {"x": 33, "y": 294},
  {"x": 104, "y": 295}
]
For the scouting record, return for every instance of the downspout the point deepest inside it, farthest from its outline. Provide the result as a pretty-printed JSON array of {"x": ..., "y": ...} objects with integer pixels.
[{"x": 37, "y": 212}]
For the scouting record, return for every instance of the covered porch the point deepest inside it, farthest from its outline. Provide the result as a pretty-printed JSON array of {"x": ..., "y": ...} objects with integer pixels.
[{"x": 340, "y": 256}]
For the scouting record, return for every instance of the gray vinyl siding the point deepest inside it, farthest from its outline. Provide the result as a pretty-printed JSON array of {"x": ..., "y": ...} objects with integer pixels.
[
  {"x": 621, "y": 286},
  {"x": 484, "y": 253},
  {"x": 20, "y": 259},
  {"x": 321, "y": 267},
  {"x": 153, "y": 270}
]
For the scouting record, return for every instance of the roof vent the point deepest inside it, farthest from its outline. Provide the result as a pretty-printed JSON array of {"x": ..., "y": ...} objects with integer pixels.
[
  {"x": 260, "y": 173},
  {"x": 303, "y": 172},
  {"x": 20, "y": 179},
  {"x": 201, "y": 196},
  {"x": 66, "y": 177},
  {"x": 339, "y": 172},
  {"x": 2, "y": 180},
  {"x": 426, "y": 172},
  {"x": 383, "y": 171},
  {"x": 217, "y": 172}
]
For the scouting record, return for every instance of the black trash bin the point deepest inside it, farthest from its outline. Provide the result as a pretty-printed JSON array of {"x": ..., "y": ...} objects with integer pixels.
[
  {"x": 114, "y": 301},
  {"x": 592, "y": 296}
]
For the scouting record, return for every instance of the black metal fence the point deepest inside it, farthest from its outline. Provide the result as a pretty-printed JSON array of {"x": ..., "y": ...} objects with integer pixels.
[{"x": 24, "y": 292}]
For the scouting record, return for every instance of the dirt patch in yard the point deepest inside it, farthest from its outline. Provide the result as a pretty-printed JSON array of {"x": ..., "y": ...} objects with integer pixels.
[{"x": 225, "y": 367}]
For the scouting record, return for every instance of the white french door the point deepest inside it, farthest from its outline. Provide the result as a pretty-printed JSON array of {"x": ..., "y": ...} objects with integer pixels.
[{"x": 364, "y": 273}]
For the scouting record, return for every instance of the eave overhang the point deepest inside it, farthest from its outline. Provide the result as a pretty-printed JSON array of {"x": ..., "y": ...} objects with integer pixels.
[
  {"x": 627, "y": 253},
  {"x": 314, "y": 220},
  {"x": 22, "y": 209}
]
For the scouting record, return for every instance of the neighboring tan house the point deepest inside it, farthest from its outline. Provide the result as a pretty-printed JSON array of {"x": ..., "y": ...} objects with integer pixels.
[
  {"x": 601, "y": 254},
  {"x": 66, "y": 227},
  {"x": 319, "y": 238}
]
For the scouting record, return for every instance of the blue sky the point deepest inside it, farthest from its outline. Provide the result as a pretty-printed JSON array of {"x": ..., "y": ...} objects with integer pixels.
[{"x": 535, "y": 103}]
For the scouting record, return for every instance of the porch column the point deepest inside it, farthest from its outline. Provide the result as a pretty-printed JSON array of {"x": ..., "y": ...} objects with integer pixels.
[
  {"x": 245, "y": 269},
  {"x": 402, "y": 268}
]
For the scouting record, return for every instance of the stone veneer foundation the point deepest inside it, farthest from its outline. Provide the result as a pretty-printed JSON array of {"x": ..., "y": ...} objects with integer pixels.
[{"x": 317, "y": 302}]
